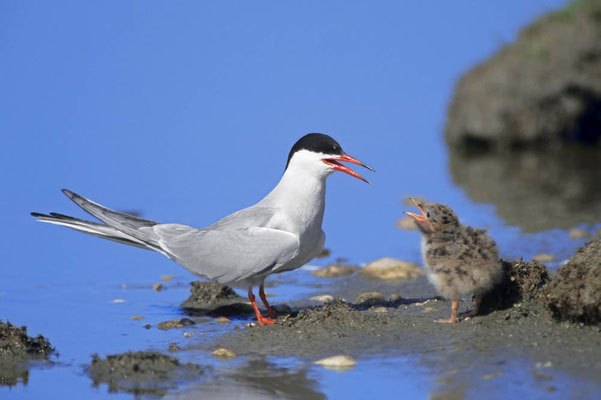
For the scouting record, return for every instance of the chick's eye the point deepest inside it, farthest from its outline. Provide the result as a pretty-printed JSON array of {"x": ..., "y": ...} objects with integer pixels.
[{"x": 428, "y": 214}]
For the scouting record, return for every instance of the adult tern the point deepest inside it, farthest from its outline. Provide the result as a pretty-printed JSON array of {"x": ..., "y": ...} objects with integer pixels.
[{"x": 280, "y": 233}]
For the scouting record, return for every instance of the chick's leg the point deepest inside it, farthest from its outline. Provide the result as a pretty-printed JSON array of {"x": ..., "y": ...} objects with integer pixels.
[{"x": 454, "y": 308}]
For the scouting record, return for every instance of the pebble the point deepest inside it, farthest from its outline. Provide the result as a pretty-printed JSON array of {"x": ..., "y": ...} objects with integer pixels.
[
  {"x": 177, "y": 323},
  {"x": 396, "y": 299},
  {"x": 429, "y": 309},
  {"x": 157, "y": 287},
  {"x": 578, "y": 233},
  {"x": 223, "y": 354},
  {"x": 488, "y": 377},
  {"x": 147, "y": 326},
  {"x": 378, "y": 309},
  {"x": 371, "y": 299},
  {"x": 337, "y": 362},
  {"x": 223, "y": 320},
  {"x": 335, "y": 271},
  {"x": 188, "y": 334},
  {"x": 406, "y": 223},
  {"x": 166, "y": 278},
  {"x": 118, "y": 301},
  {"x": 544, "y": 257},
  {"x": 391, "y": 269},
  {"x": 136, "y": 317},
  {"x": 186, "y": 322},
  {"x": 174, "y": 347},
  {"x": 324, "y": 298}
]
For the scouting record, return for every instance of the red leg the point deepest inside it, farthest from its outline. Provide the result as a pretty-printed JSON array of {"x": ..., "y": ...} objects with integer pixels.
[
  {"x": 270, "y": 311},
  {"x": 454, "y": 307},
  {"x": 260, "y": 319}
]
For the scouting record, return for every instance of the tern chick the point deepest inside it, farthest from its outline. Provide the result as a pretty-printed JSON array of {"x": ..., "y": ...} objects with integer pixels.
[{"x": 460, "y": 259}]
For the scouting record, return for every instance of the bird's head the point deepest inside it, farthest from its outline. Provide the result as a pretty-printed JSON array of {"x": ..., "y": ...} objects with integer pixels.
[
  {"x": 321, "y": 155},
  {"x": 433, "y": 217}
]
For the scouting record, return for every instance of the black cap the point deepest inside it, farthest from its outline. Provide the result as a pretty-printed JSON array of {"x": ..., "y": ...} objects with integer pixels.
[{"x": 318, "y": 143}]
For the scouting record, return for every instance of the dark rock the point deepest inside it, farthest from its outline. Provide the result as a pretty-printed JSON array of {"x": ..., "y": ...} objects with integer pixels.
[
  {"x": 522, "y": 282},
  {"x": 210, "y": 295},
  {"x": 16, "y": 349},
  {"x": 141, "y": 373},
  {"x": 543, "y": 89},
  {"x": 574, "y": 294},
  {"x": 14, "y": 342}
]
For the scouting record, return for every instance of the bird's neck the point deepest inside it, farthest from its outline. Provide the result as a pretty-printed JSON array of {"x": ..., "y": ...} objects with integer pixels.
[{"x": 300, "y": 196}]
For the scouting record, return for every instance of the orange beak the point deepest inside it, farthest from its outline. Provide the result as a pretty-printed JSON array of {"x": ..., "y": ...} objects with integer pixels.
[
  {"x": 419, "y": 218},
  {"x": 333, "y": 162}
]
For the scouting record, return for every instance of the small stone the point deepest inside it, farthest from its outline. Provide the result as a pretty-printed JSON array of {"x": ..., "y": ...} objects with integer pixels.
[
  {"x": 429, "y": 309},
  {"x": 166, "y": 278},
  {"x": 118, "y": 301},
  {"x": 391, "y": 269},
  {"x": 488, "y": 377},
  {"x": 544, "y": 257},
  {"x": 335, "y": 271},
  {"x": 188, "y": 334},
  {"x": 406, "y": 223},
  {"x": 324, "y": 253},
  {"x": 136, "y": 317},
  {"x": 223, "y": 320},
  {"x": 542, "y": 375},
  {"x": 223, "y": 354},
  {"x": 395, "y": 299},
  {"x": 378, "y": 309},
  {"x": 371, "y": 299},
  {"x": 578, "y": 233},
  {"x": 123, "y": 286},
  {"x": 324, "y": 298},
  {"x": 157, "y": 287},
  {"x": 186, "y": 322},
  {"x": 174, "y": 347},
  {"x": 337, "y": 362},
  {"x": 147, "y": 326},
  {"x": 546, "y": 364},
  {"x": 177, "y": 323}
]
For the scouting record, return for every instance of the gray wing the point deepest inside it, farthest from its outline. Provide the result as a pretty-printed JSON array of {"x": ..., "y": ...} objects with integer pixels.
[{"x": 228, "y": 255}]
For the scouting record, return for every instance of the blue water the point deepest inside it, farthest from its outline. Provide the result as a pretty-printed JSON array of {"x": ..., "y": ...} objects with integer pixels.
[{"x": 186, "y": 113}]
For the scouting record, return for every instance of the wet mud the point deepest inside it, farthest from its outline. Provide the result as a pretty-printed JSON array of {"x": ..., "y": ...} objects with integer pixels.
[
  {"x": 17, "y": 351},
  {"x": 515, "y": 326},
  {"x": 215, "y": 299},
  {"x": 575, "y": 293},
  {"x": 142, "y": 373},
  {"x": 522, "y": 282}
]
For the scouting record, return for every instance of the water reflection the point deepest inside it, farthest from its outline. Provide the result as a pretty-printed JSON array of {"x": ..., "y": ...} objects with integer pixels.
[
  {"x": 259, "y": 379},
  {"x": 535, "y": 190}
]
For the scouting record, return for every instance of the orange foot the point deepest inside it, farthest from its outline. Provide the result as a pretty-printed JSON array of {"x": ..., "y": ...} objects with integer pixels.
[
  {"x": 446, "y": 321},
  {"x": 265, "y": 321}
]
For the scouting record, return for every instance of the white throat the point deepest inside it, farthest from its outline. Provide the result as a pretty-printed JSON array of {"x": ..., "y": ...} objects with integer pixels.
[{"x": 300, "y": 194}]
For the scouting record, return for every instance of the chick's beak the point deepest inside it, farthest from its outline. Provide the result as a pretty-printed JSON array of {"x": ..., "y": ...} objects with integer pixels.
[
  {"x": 333, "y": 162},
  {"x": 419, "y": 218}
]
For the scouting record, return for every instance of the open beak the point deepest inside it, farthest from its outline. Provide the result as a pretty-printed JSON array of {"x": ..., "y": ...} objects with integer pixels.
[
  {"x": 333, "y": 162},
  {"x": 419, "y": 218}
]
